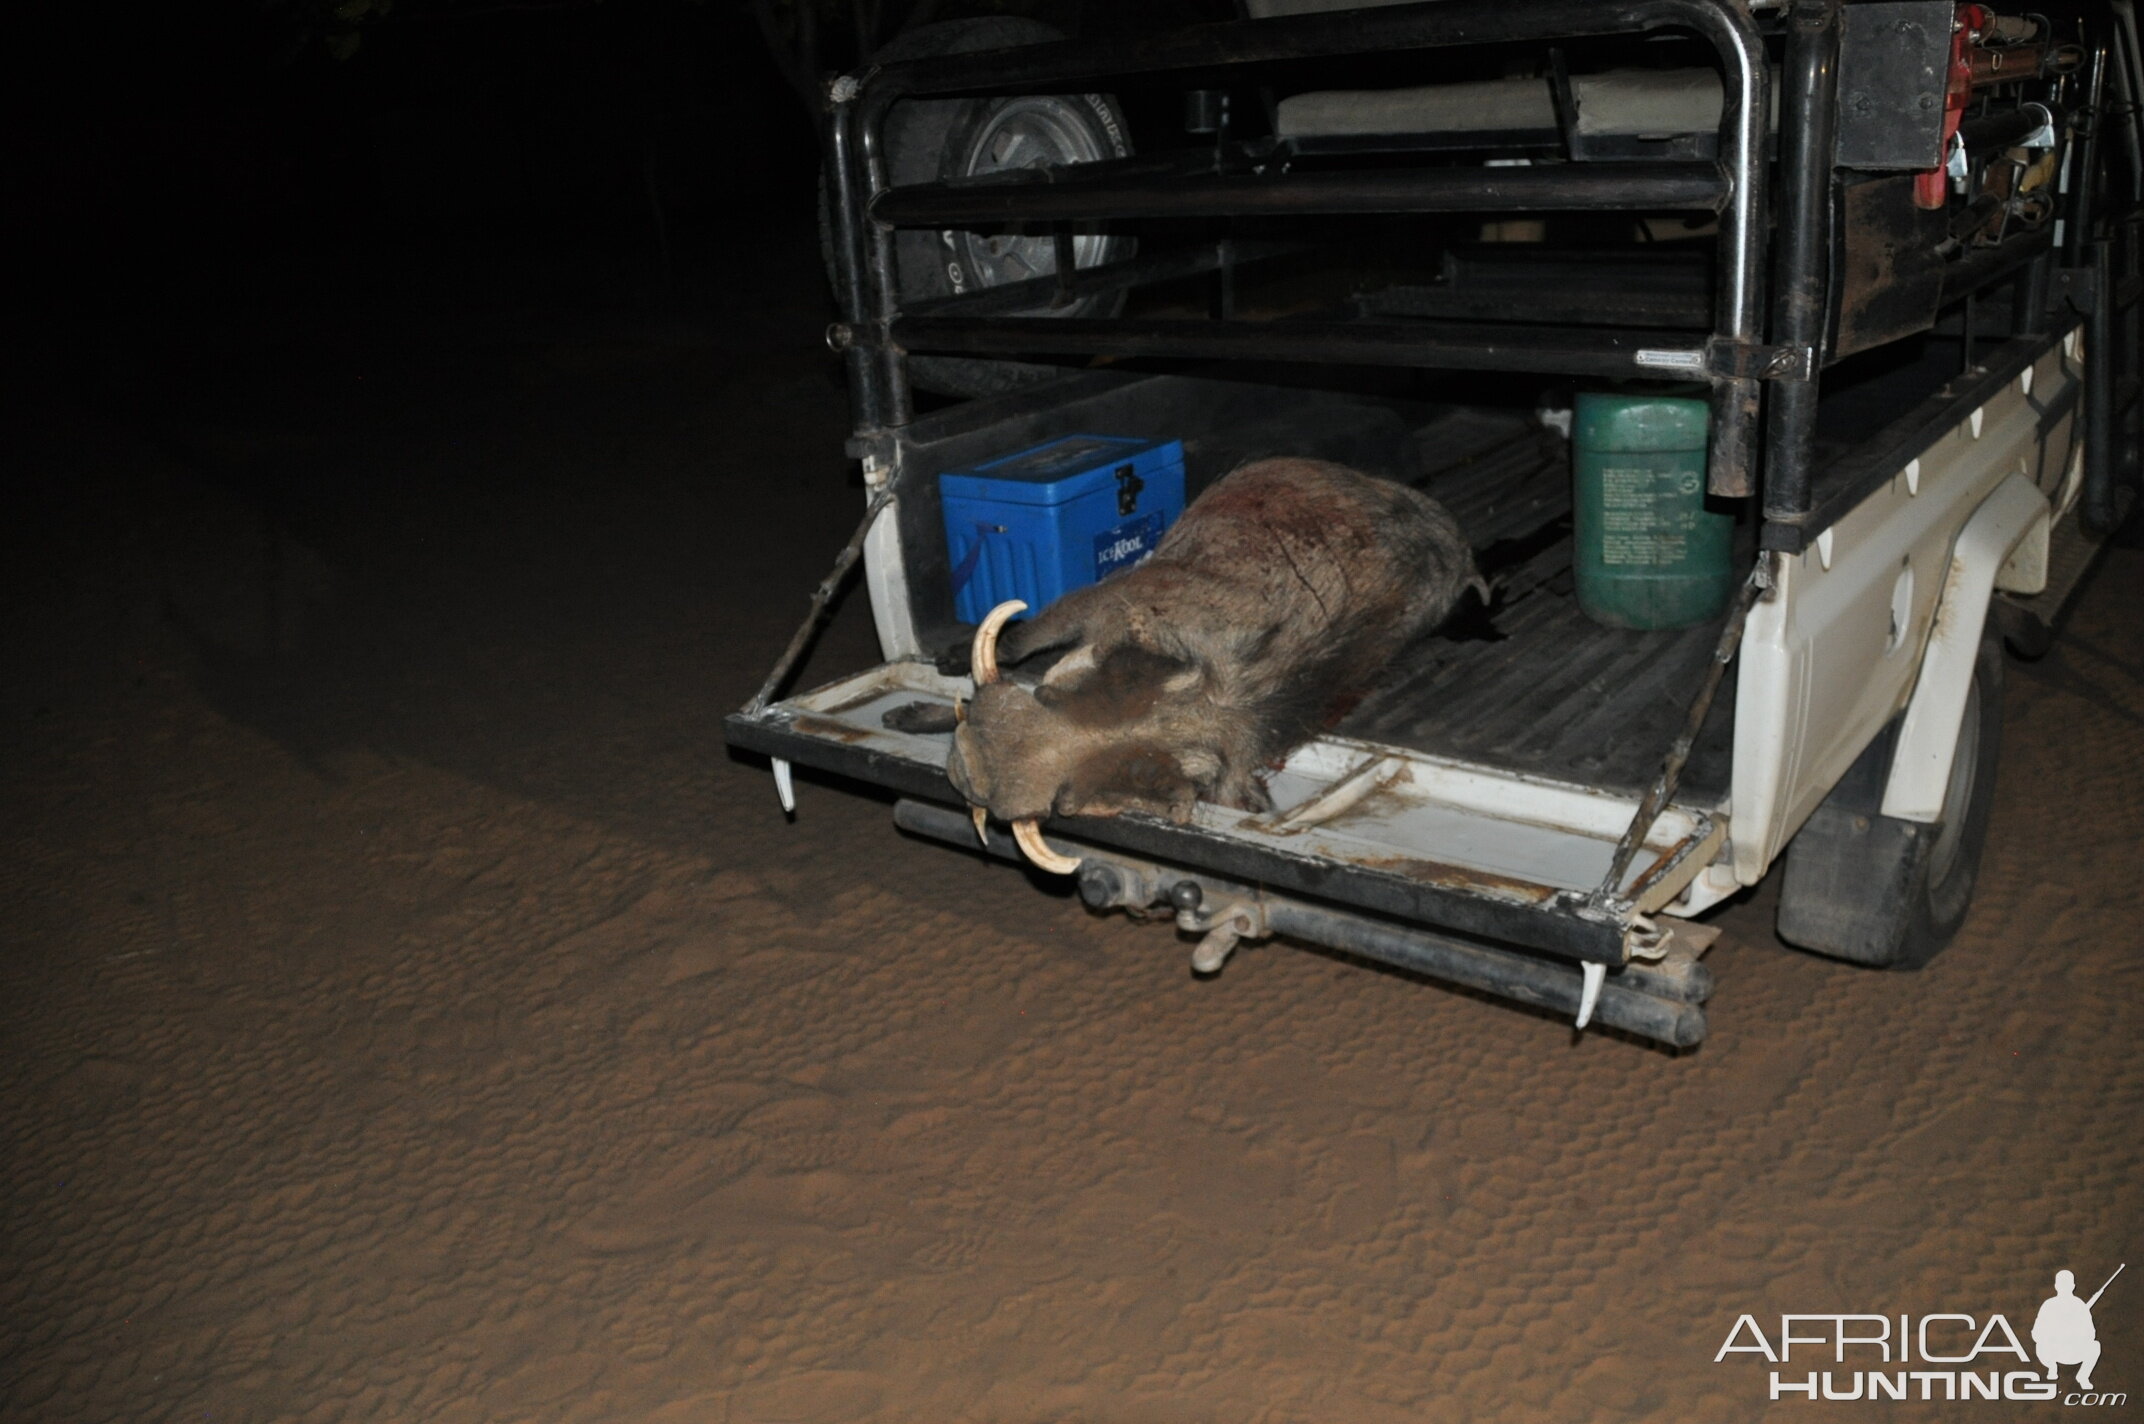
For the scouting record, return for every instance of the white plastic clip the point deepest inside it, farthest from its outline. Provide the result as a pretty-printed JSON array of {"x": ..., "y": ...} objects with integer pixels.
[
  {"x": 785, "y": 786},
  {"x": 1589, "y": 995}
]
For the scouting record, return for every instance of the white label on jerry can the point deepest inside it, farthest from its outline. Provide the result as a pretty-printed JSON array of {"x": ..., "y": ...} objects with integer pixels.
[{"x": 1640, "y": 522}]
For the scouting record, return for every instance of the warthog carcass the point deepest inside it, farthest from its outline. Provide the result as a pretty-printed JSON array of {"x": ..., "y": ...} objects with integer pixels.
[{"x": 1268, "y": 609}]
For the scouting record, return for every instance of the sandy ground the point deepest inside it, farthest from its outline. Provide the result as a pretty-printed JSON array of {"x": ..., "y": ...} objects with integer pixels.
[{"x": 412, "y": 1012}]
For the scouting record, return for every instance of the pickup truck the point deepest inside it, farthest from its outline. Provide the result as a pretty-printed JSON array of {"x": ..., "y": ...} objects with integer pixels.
[{"x": 1893, "y": 246}]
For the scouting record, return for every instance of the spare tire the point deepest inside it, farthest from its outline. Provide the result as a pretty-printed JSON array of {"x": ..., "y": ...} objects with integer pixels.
[{"x": 935, "y": 140}]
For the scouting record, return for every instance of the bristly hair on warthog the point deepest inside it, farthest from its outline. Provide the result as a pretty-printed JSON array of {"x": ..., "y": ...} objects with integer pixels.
[{"x": 1275, "y": 601}]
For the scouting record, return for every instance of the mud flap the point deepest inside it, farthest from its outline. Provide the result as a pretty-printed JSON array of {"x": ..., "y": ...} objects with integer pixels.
[{"x": 1841, "y": 867}]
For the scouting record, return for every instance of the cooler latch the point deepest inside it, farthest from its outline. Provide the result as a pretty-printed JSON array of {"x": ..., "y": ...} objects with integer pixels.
[{"x": 1128, "y": 486}]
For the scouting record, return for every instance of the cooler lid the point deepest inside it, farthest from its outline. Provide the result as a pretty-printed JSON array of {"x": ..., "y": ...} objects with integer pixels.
[{"x": 1061, "y": 470}]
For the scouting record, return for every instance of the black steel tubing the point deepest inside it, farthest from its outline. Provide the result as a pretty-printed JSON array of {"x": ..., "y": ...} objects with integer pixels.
[
  {"x": 1427, "y": 345},
  {"x": 2097, "y": 502},
  {"x": 2003, "y": 130},
  {"x": 1507, "y": 975},
  {"x": 2033, "y": 287},
  {"x": 1221, "y": 45},
  {"x": 1729, "y": 28},
  {"x": 889, "y": 362},
  {"x": 1635, "y": 999},
  {"x": 866, "y": 400},
  {"x": 1140, "y": 271},
  {"x": 1983, "y": 265},
  {"x": 2084, "y": 177},
  {"x": 1808, "y": 127},
  {"x": 1070, "y": 198}
]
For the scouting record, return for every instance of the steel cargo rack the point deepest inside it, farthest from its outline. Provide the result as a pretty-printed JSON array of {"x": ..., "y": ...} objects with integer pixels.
[{"x": 876, "y": 334}]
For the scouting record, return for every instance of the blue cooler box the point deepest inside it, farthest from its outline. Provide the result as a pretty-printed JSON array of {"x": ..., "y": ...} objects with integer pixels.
[{"x": 1055, "y": 517}]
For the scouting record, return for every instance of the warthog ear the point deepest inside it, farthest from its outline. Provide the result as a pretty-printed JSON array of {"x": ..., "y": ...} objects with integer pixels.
[
  {"x": 1184, "y": 681},
  {"x": 1139, "y": 777},
  {"x": 1064, "y": 621},
  {"x": 1117, "y": 686},
  {"x": 1071, "y": 669}
]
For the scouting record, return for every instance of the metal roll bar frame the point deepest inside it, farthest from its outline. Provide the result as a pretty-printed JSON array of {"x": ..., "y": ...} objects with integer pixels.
[{"x": 1735, "y": 362}]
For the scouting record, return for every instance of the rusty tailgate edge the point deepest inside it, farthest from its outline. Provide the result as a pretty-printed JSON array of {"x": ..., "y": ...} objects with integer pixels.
[{"x": 1552, "y": 926}]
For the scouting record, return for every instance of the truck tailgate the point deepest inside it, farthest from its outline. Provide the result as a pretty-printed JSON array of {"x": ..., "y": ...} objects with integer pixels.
[{"x": 1488, "y": 853}]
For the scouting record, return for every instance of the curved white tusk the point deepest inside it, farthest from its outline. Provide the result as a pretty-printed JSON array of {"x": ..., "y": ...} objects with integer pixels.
[
  {"x": 983, "y": 657},
  {"x": 1029, "y": 835},
  {"x": 982, "y": 824},
  {"x": 785, "y": 786}
]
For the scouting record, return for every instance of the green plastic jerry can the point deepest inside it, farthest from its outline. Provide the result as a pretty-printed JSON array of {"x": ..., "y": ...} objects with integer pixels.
[{"x": 1648, "y": 552}]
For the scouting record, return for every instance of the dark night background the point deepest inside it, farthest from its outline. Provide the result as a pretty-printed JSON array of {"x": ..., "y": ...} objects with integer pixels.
[
  {"x": 188, "y": 161},
  {"x": 482, "y": 328}
]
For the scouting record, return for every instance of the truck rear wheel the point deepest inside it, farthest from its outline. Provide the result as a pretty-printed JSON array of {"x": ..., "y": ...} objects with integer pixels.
[
  {"x": 1861, "y": 886},
  {"x": 936, "y": 140}
]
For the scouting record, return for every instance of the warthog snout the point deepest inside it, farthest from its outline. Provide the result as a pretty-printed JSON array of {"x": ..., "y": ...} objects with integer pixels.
[{"x": 1021, "y": 789}]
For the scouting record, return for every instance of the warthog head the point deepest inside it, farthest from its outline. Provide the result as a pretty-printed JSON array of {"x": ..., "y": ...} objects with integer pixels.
[{"x": 1096, "y": 738}]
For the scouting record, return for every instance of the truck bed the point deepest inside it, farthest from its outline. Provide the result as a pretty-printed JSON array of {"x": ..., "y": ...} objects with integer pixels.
[
  {"x": 1531, "y": 684},
  {"x": 1528, "y": 685}
]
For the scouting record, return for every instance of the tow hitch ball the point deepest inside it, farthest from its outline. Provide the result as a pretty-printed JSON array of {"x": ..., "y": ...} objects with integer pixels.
[{"x": 1105, "y": 886}]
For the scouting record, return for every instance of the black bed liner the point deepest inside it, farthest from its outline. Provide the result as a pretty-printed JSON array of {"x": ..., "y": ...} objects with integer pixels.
[{"x": 1536, "y": 686}]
